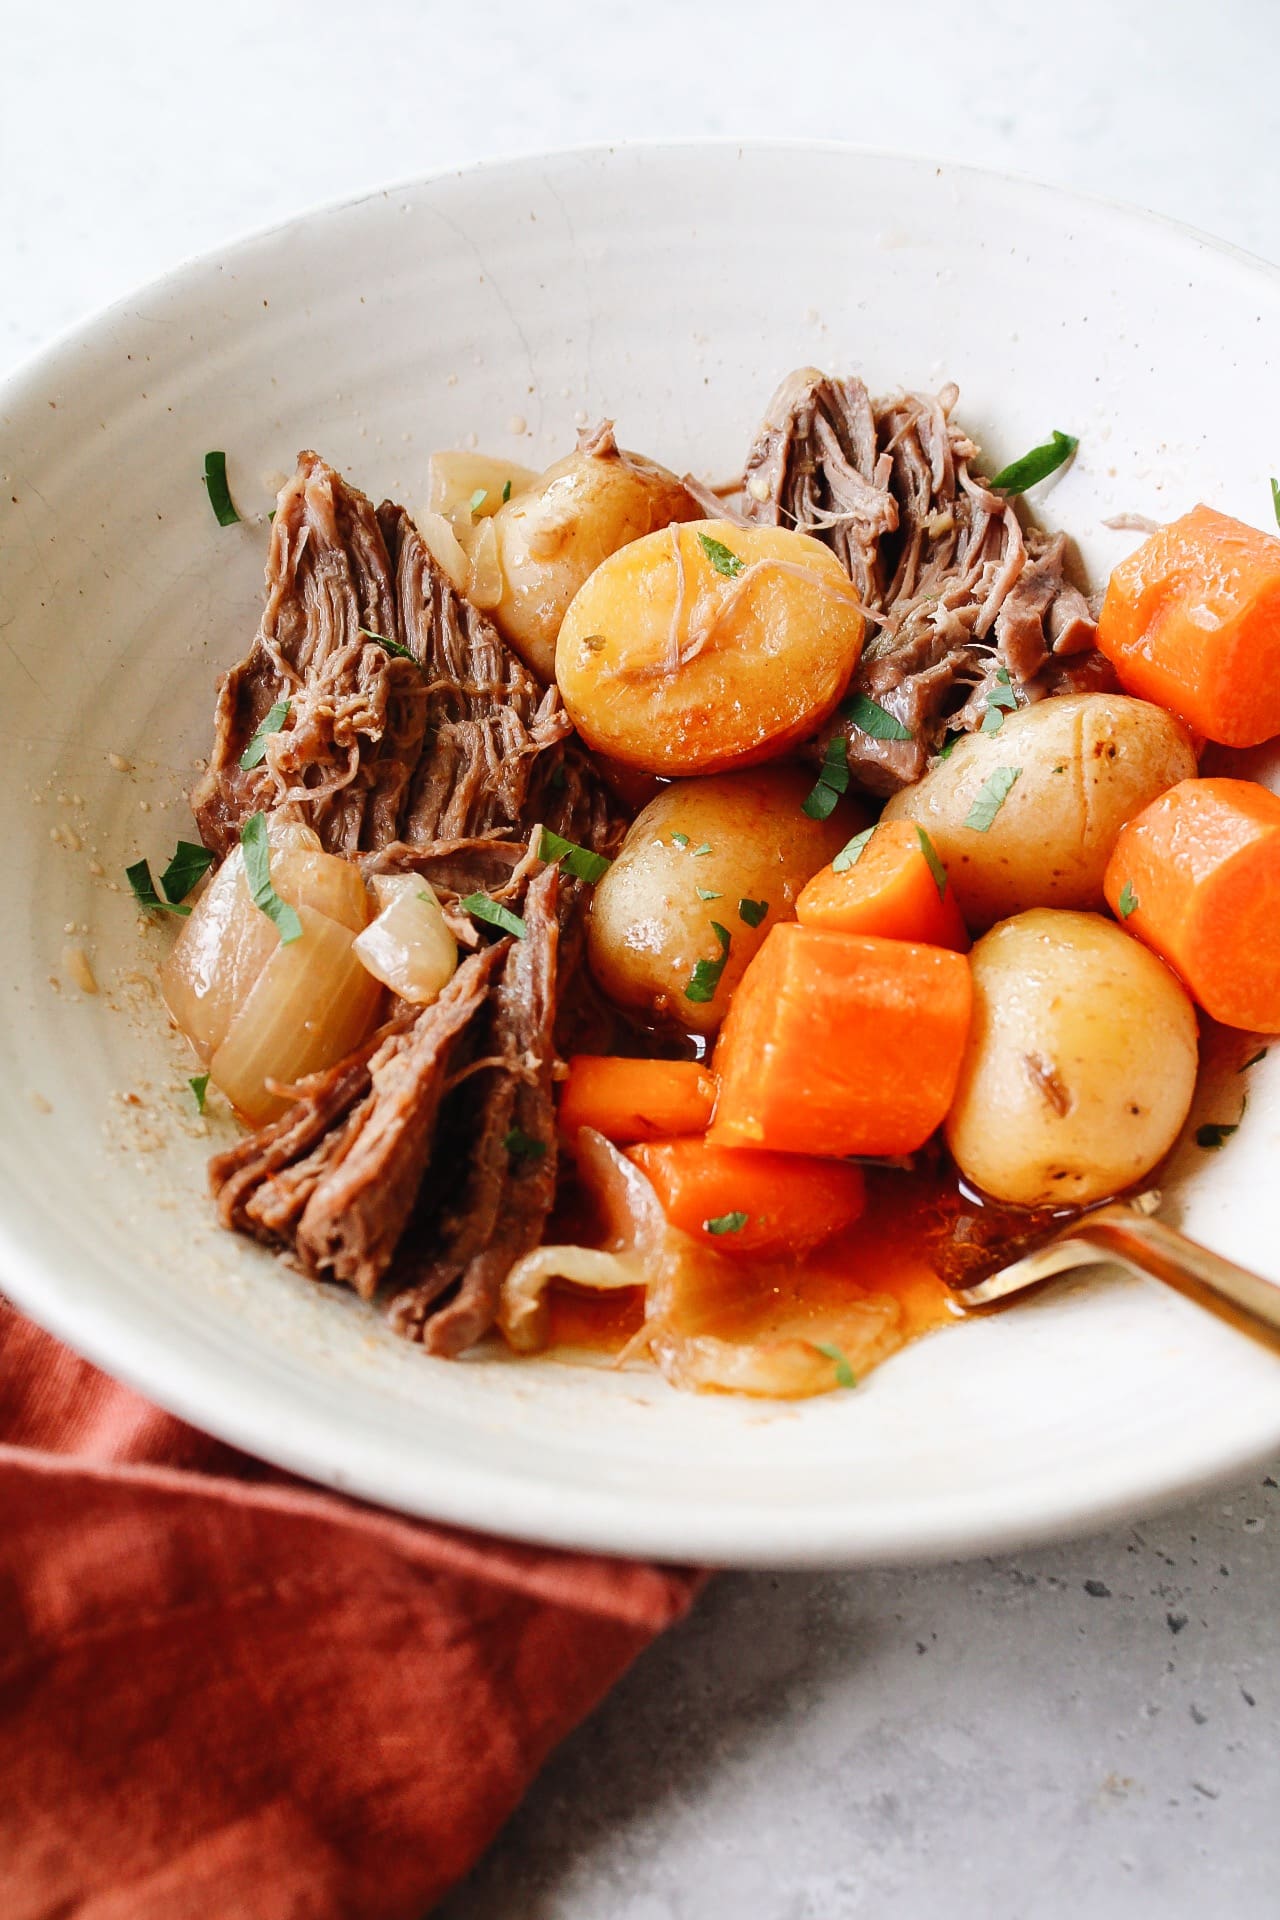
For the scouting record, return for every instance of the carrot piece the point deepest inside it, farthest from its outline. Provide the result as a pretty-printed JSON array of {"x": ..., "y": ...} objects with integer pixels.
[
  {"x": 1191, "y": 621},
  {"x": 751, "y": 1202},
  {"x": 628, "y": 1100},
  {"x": 1196, "y": 876},
  {"x": 896, "y": 887},
  {"x": 840, "y": 1043}
]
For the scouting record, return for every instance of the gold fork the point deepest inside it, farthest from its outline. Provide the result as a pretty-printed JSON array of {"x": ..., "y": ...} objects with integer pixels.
[{"x": 1128, "y": 1233}]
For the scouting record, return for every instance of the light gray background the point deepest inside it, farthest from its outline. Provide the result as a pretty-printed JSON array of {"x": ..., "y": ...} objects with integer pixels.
[{"x": 1092, "y": 1726}]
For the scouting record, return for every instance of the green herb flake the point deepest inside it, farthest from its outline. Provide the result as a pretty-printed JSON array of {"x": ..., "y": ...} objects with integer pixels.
[
  {"x": 869, "y": 717},
  {"x": 1036, "y": 465},
  {"x": 705, "y": 977},
  {"x": 934, "y": 864},
  {"x": 1001, "y": 700},
  {"x": 522, "y": 1146},
  {"x": 831, "y": 782},
  {"x": 477, "y": 500},
  {"x": 679, "y": 839},
  {"x": 1215, "y": 1133},
  {"x": 722, "y": 558},
  {"x": 579, "y": 861},
  {"x": 995, "y": 790},
  {"x": 725, "y": 1223},
  {"x": 257, "y": 872},
  {"x": 215, "y": 480},
  {"x": 1128, "y": 900},
  {"x": 852, "y": 851},
  {"x": 187, "y": 867},
  {"x": 556, "y": 779},
  {"x": 393, "y": 647},
  {"x": 481, "y": 907},
  {"x": 845, "y": 1376},
  {"x": 256, "y": 751},
  {"x": 1275, "y": 498},
  {"x": 199, "y": 1085},
  {"x": 752, "y": 911},
  {"x": 506, "y": 492},
  {"x": 700, "y": 853},
  {"x": 948, "y": 746},
  {"x": 143, "y": 888},
  {"x": 707, "y": 893},
  {"x": 1253, "y": 1059}
]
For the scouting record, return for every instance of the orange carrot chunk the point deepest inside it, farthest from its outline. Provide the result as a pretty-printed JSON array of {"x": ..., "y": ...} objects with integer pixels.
[
  {"x": 1196, "y": 876},
  {"x": 759, "y": 1203},
  {"x": 628, "y": 1100},
  {"x": 892, "y": 884},
  {"x": 1191, "y": 621},
  {"x": 841, "y": 1043}
]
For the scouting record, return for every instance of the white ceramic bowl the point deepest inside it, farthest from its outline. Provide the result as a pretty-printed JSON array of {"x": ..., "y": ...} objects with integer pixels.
[{"x": 669, "y": 287}]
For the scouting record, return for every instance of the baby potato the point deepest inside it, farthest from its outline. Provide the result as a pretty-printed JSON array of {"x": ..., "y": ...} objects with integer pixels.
[
  {"x": 553, "y": 534},
  {"x": 1084, "y": 763},
  {"x": 708, "y": 646},
  {"x": 735, "y": 849},
  {"x": 1080, "y": 1066}
]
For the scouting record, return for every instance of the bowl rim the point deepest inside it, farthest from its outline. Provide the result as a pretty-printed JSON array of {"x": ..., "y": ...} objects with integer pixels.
[{"x": 133, "y": 1349}]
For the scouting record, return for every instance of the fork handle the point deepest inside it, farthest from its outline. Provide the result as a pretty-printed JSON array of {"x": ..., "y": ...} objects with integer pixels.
[{"x": 1148, "y": 1246}]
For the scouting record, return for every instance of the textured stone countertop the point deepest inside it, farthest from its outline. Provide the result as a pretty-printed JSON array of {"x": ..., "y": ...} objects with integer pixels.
[{"x": 1091, "y": 1728}]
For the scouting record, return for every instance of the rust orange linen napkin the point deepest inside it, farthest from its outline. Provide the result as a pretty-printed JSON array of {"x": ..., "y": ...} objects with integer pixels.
[{"x": 224, "y": 1692}]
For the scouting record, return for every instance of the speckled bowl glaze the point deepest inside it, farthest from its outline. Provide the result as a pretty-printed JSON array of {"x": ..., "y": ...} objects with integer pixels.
[{"x": 669, "y": 287}]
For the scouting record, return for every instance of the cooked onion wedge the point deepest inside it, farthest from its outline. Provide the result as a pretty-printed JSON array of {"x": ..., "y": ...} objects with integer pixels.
[
  {"x": 408, "y": 946},
  {"x": 455, "y": 479}
]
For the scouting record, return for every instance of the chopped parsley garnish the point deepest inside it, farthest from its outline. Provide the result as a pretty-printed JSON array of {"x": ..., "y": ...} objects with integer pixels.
[
  {"x": 725, "y": 1223},
  {"x": 187, "y": 866},
  {"x": 1001, "y": 700},
  {"x": 506, "y": 492},
  {"x": 393, "y": 647},
  {"x": 852, "y": 851},
  {"x": 1036, "y": 465},
  {"x": 256, "y": 751},
  {"x": 1253, "y": 1059},
  {"x": 722, "y": 558},
  {"x": 708, "y": 893},
  {"x": 1128, "y": 900},
  {"x": 845, "y": 1376},
  {"x": 481, "y": 907},
  {"x": 522, "y": 1146},
  {"x": 995, "y": 790},
  {"x": 144, "y": 892},
  {"x": 705, "y": 977},
  {"x": 948, "y": 746},
  {"x": 477, "y": 500},
  {"x": 679, "y": 839},
  {"x": 579, "y": 861},
  {"x": 869, "y": 717},
  {"x": 1215, "y": 1133},
  {"x": 257, "y": 872},
  {"x": 831, "y": 782},
  {"x": 1275, "y": 498},
  {"x": 935, "y": 865},
  {"x": 752, "y": 911},
  {"x": 199, "y": 1085},
  {"x": 215, "y": 480},
  {"x": 698, "y": 852}
]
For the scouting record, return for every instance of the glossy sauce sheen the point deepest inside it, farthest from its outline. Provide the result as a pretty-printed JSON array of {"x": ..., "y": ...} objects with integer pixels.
[{"x": 889, "y": 1252}]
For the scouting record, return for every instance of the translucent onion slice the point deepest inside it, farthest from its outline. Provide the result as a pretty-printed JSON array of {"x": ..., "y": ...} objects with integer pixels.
[
  {"x": 454, "y": 480},
  {"x": 227, "y": 941},
  {"x": 311, "y": 1004},
  {"x": 487, "y": 581},
  {"x": 408, "y": 945},
  {"x": 442, "y": 544},
  {"x": 709, "y": 1324}
]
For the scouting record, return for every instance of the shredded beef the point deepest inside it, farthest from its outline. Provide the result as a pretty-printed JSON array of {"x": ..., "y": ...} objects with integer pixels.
[{"x": 956, "y": 590}]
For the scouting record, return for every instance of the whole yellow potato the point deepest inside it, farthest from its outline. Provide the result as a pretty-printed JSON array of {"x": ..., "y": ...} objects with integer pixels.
[
  {"x": 1083, "y": 764},
  {"x": 707, "y": 646},
  {"x": 553, "y": 533},
  {"x": 730, "y": 850},
  {"x": 1080, "y": 1066}
]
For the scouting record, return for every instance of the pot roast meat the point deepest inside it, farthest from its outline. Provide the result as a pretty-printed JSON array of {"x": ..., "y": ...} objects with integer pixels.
[
  {"x": 510, "y": 1121},
  {"x": 955, "y": 589}
]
